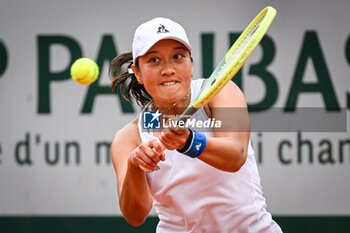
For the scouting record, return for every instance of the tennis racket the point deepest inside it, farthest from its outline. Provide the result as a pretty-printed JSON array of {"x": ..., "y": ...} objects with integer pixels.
[{"x": 233, "y": 60}]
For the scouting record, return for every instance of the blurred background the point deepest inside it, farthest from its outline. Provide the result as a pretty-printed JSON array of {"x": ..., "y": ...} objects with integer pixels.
[{"x": 56, "y": 173}]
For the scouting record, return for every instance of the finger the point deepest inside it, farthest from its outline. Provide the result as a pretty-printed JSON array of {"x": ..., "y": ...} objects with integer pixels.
[
  {"x": 179, "y": 130},
  {"x": 142, "y": 164},
  {"x": 177, "y": 139},
  {"x": 172, "y": 135},
  {"x": 148, "y": 169},
  {"x": 146, "y": 164},
  {"x": 144, "y": 168},
  {"x": 158, "y": 146},
  {"x": 150, "y": 153},
  {"x": 169, "y": 143},
  {"x": 176, "y": 128},
  {"x": 162, "y": 157},
  {"x": 142, "y": 158}
]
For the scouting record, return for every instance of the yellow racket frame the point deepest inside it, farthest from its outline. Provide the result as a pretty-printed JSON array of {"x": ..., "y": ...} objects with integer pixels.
[{"x": 215, "y": 83}]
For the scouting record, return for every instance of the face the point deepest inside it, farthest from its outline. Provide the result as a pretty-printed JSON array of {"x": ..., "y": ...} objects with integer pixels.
[{"x": 165, "y": 71}]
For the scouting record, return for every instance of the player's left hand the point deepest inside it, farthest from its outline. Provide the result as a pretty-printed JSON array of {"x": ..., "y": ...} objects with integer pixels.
[{"x": 174, "y": 137}]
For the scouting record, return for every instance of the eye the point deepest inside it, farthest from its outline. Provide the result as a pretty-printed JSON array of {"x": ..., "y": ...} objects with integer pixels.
[
  {"x": 178, "y": 56},
  {"x": 153, "y": 60}
]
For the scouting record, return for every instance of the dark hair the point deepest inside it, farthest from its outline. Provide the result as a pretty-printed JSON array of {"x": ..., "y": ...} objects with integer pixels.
[{"x": 126, "y": 82}]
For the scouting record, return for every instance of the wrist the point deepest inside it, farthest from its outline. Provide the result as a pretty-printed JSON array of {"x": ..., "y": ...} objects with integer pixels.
[
  {"x": 187, "y": 143},
  {"x": 195, "y": 144},
  {"x": 131, "y": 161}
]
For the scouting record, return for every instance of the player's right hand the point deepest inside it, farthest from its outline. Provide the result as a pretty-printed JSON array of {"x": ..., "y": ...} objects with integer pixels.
[{"x": 147, "y": 155}]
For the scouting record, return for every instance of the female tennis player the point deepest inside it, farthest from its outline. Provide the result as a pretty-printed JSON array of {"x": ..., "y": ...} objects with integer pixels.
[{"x": 197, "y": 181}]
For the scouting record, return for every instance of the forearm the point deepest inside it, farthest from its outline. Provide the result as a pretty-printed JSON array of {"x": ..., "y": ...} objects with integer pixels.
[
  {"x": 135, "y": 199},
  {"x": 224, "y": 153}
]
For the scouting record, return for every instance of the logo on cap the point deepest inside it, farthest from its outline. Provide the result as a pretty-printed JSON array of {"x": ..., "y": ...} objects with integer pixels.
[{"x": 161, "y": 29}]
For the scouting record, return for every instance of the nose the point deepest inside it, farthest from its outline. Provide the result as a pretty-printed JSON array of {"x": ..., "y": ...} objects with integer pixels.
[{"x": 167, "y": 68}]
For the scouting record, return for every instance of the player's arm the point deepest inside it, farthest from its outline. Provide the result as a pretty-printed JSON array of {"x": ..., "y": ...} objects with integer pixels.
[
  {"x": 128, "y": 153},
  {"x": 227, "y": 150}
]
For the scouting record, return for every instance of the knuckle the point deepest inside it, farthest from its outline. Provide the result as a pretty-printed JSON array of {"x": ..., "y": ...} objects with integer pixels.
[
  {"x": 154, "y": 156},
  {"x": 154, "y": 142},
  {"x": 156, "y": 146},
  {"x": 141, "y": 146},
  {"x": 135, "y": 153}
]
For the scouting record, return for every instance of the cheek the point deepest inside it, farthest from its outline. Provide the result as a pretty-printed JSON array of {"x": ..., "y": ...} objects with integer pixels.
[
  {"x": 146, "y": 75},
  {"x": 186, "y": 71},
  {"x": 148, "y": 80},
  {"x": 151, "y": 74}
]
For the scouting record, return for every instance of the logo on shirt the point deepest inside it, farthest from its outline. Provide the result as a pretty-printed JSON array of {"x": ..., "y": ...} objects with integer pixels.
[{"x": 151, "y": 120}]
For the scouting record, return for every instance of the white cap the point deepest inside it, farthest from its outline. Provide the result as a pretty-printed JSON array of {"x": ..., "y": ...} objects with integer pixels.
[{"x": 150, "y": 32}]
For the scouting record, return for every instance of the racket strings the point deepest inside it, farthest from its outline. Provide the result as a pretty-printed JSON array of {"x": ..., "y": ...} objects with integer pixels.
[
  {"x": 239, "y": 50},
  {"x": 242, "y": 45}
]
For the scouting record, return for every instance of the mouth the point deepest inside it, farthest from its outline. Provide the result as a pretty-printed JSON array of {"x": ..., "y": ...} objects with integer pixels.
[{"x": 169, "y": 83}]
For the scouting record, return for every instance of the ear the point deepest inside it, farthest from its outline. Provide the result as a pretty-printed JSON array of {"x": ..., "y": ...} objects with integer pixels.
[{"x": 137, "y": 74}]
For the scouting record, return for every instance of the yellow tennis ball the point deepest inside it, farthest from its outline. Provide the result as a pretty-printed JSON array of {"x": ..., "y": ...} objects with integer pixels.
[{"x": 84, "y": 71}]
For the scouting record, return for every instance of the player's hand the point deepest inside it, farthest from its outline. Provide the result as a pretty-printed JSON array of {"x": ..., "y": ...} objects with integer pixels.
[
  {"x": 174, "y": 137},
  {"x": 147, "y": 155}
]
